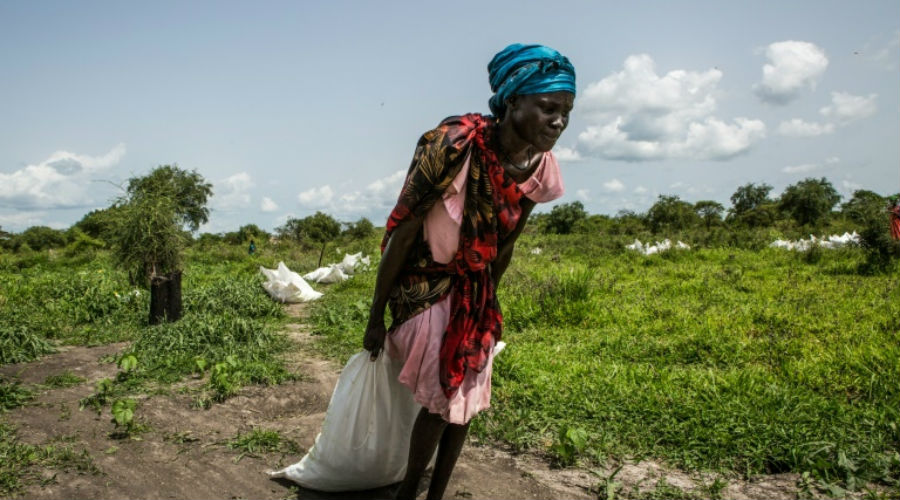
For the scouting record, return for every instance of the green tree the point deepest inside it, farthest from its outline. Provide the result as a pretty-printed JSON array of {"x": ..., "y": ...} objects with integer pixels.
[
  {"x": 245, "y": 234},
  {"x": 187, "y": 191},
  {"x": 629, "y": 223},
  {"x": 862, "y": 203},
  {"x": 563, "y": 218},
  {"x": 362, "y": 228},
  {"x": 709, "y": 211},
  {"x": 98, "y": 224},
  {"x": 43, "y": 237},
  {"x": 809, "y": 201},
  {"x": 150, "y": 232},
  {"x": 869, "y": 211},
  {"x": 319, "y": 229},
  {"x": 748, "y": 197},
  {"x": 751, "y": 206},
  {"x": 671, "y": 213}
]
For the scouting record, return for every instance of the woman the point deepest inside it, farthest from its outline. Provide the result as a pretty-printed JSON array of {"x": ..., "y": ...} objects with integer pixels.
[
  {"x": 472, "y": 183},
  {"x": 895, "y": 218}
]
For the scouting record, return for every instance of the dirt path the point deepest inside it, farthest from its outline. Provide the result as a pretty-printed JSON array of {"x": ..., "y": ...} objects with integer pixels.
[{"x": 183, "y": 454}]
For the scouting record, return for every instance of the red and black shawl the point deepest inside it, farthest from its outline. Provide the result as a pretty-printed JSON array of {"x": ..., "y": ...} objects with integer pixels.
[{"x": 491, "y": 211}]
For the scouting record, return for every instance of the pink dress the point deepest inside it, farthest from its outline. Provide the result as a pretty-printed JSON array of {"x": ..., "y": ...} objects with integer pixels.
[{"x": 417, "y": 342}]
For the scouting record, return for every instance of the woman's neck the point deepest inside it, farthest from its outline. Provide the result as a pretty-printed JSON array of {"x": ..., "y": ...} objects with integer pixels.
[{"x": 513, "y": 148}]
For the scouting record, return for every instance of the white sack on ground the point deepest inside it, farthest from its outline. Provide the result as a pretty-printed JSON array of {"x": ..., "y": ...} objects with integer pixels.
[
  {"x": 660, "y": 246},
  {"x": 330, "y": 274},
  {"x": 829, "y": 242},
  {"x": 353, "y": 262},
  {"x": 364, "y": 442},
  {"x": 285, "y": 285}
]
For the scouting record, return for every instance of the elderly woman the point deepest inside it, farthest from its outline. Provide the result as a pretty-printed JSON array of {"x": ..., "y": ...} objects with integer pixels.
[{"x": 472, "y": 183}]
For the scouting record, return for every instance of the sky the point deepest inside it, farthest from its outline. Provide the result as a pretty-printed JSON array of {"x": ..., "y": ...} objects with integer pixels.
[{"x": 292, "y": 107}]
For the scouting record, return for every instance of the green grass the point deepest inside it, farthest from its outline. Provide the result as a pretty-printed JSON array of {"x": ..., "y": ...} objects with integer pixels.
[
  {"x": 262, "y": 441},
  {"x": 21, "y": 463},
  {"x": 725, "y": 359},
  {"x": 13, "y": 395},
  {"x": 732, "y": 359},
  {"x": 62, "y": 380}
]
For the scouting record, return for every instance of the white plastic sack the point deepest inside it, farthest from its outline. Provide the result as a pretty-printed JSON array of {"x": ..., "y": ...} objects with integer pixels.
[
  {"x": 330, "y": 274},
  {"x": 285, "y": 285},
  {"x": 353, "y": 261},
  {"x": 364, "y": 441}
]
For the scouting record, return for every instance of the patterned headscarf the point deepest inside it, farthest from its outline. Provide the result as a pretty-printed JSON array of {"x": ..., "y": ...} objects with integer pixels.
[{"x": 528, "y": 69}]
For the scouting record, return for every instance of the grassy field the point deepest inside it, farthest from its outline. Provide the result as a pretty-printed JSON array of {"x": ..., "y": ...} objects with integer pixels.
[{"x": 751, "y": 361}]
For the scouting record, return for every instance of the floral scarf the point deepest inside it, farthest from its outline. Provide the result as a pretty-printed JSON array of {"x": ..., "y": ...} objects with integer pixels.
[{"x": 491, "y": 211}]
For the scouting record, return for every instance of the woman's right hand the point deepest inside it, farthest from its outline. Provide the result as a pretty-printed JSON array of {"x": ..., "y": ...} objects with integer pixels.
[{"x": 373, "y": 341}]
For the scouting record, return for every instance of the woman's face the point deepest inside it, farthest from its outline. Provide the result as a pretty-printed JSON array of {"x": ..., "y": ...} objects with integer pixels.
[{"x": 539, "y": 119}]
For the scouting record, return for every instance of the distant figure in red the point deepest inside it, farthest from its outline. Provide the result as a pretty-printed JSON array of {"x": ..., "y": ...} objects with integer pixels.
[{"x": 895, "y": 219}]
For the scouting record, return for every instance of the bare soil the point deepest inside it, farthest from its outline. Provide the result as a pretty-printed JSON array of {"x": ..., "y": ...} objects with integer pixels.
[{"x": 183, "y": 452}]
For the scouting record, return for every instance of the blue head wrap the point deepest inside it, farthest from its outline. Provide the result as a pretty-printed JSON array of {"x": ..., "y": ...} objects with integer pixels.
[{"x": 528, "y": 69}]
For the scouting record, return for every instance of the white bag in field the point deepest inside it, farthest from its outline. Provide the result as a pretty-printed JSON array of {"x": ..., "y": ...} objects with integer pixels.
[
  {"x": 364, "y": 442},
  {"x": 353, "y": 261},
  {"x": 330, "y": 274},
  {"x": 285, "y": 285}
]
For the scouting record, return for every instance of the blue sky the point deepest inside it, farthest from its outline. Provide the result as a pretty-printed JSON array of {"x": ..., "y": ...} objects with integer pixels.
[{"x": 292, "y": 107}]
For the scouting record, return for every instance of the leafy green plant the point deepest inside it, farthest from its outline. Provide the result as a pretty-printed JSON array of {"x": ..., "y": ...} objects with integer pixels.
[
  {"x": 96, "y": 401},
  {"x": 13, "y": 395},
  {"x": 123, "y": 415},
  {"x": 569, "y": 444}
]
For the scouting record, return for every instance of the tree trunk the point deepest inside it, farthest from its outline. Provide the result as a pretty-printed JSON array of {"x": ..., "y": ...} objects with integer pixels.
[
  {"x": 322, "y": 253},
  {"x": 174, "y": 307},
  {"x": 165, "y": 298},
  {"x": 159, "y": 299}
]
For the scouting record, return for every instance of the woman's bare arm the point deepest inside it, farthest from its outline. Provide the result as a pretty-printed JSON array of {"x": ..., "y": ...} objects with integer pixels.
[
  {"x": 395, "y": 252},
  {"x": 505, "y": 252}
]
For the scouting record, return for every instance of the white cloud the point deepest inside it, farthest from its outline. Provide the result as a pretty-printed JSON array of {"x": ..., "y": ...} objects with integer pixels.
[
  {"x": 232, "y": 193},
  {"x": 850, "y": 186},
  {"x": 319, "y": 197},
  {"x": 22, "y": 220},
  {"x": 883, "y": 52},
  {"x": 636, "y": 115},
  {"x": 564, "y": 154},
  {"x": 805, "y": 168},
  {"x": 845, "y": 108},
  {"x": 388, "y": 185},
  {"x": 583, "y": 195},
  {"x": 614, "y": 186},
  {"x": 800, "y": 128},
  {"x": 377, "y": 198},
  {"x": 268, "y": 205},
  {"x": 793, "y": 66},
  {"x": 640, "y": 190},
  {"x": 800, "y": 169},
  {"x": 60, "y": 181}
]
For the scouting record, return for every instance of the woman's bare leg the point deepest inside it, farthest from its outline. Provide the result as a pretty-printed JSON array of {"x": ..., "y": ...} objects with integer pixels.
[
  {"x": 426, "y": 434},
  {"x": 451, "y": 444}
]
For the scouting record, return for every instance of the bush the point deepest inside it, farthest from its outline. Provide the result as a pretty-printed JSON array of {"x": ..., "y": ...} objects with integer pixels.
[
  {"x": 42, "y": 237},
  {"x": 563, "y": 218}
]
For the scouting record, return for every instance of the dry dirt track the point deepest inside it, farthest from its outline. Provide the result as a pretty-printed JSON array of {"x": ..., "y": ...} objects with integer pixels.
[{"x": 183, "y": 452}]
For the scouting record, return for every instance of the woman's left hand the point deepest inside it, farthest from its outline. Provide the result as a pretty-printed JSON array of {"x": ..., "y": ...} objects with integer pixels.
[{"x": 374, "y": 339}]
